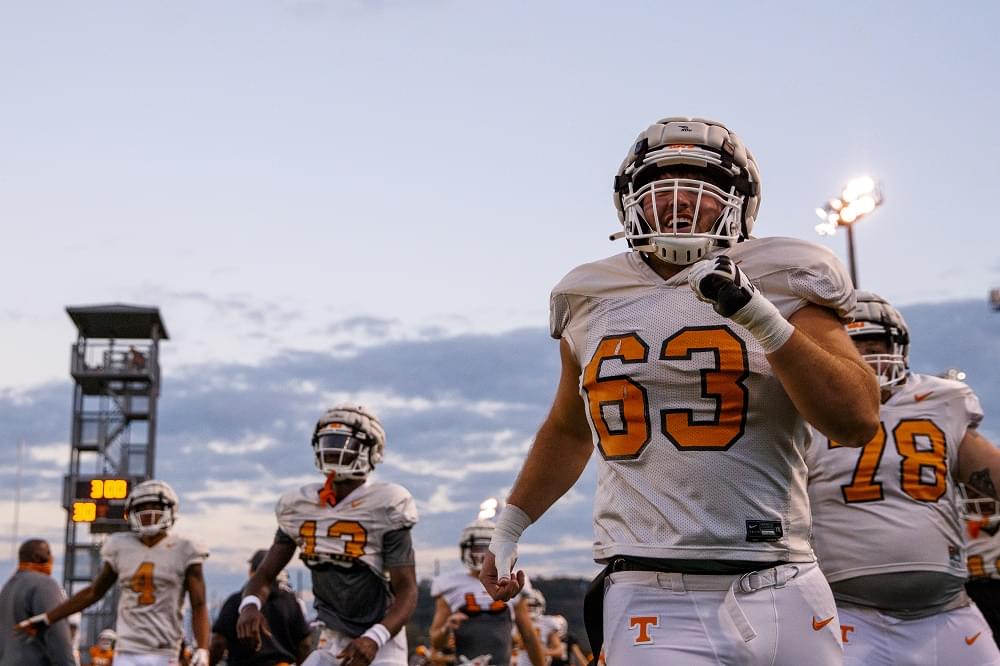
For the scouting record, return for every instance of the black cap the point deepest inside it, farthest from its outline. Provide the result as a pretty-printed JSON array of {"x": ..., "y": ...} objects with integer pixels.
[{"x": 257, "y": 558}]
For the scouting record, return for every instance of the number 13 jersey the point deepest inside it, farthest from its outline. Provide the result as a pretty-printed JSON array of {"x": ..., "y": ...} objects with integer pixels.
[{"x": 701, "y": 450}]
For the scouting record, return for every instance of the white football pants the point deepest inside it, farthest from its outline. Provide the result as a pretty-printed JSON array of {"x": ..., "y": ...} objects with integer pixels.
[
  {"x": 780, "y": 616},
  {"x": 957, "y": 637}
]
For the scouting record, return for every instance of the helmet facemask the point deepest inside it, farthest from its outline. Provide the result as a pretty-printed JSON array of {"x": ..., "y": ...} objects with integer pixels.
[
  {"x": 656, "y": 223},
  {"x": 700, "y": 161},
  {"x": 978, "y": 509},
  {"x": 151, "y": 508},
  {"x": 475, "y": 543},
  {"x": 343, "y": 451},
  {"x": 875, "y": 318}
]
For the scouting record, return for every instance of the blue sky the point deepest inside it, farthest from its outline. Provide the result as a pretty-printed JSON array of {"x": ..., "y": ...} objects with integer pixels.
[{"x": 301, "y": 181}]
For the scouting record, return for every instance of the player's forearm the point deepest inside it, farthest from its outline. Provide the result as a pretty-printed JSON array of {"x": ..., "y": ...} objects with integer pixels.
[
  {"x": 836, "y": 395},
  {"x": 403, "y": 605},
  {"x": 78, "y": 602},
  {"x": 258, "y": 586},
  {"x": 200, "y": 625},
  {"x": 555, "y": 462}
]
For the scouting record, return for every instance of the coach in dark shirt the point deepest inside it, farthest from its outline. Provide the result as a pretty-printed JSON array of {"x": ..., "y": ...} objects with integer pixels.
[
  {"x": 31, "y": 591},
  {"x": 289, "y": 639}
]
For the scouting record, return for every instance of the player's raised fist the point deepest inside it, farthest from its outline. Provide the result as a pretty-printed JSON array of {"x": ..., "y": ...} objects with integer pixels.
[{"x": 721, "y": 283}]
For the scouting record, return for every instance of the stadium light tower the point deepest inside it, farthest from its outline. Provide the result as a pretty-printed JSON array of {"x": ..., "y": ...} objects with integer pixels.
[{"x": 859, "y": 197}]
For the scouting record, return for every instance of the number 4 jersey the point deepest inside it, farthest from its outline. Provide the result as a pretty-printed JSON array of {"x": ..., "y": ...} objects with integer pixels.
[
  {"x": 702, "y": 452},
  {"x": 150, "y": 590},
  {"x": 889, "y": 507}
]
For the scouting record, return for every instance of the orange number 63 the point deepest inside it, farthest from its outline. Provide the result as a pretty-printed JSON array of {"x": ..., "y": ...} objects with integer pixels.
[{"x": 723, "y": 383}]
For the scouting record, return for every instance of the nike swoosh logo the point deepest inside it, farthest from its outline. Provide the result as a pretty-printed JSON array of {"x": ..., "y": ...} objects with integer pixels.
[
  {"x": 819, "y": 624},
  {"x": 969, "y": 640},
  {"x": 921, "y": 398},
  {"x": 356, "y": 503}
]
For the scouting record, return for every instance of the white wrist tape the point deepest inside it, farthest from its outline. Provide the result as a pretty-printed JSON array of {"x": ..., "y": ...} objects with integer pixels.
[
  {"x": 764, "y": 322},
  {"x": 512, "y": 523},
  {"x": 250, "y": 599},
  {"x": 379, "y": 634}
]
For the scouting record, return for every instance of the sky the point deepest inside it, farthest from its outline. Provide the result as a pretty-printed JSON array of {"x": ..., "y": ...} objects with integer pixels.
[{"x": 328, "y": 199}]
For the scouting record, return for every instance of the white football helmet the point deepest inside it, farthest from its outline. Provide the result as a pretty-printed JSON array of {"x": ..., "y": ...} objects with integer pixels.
[
  {"x": 722, "y": 168},
  {"x": 976, "y": 508},
  {"x": 873, "y": 316},
  {"x": 155, "y": 500},
  {"x": 536, "y": 602},
  {"x": 106, "y": 639},
  {"x": 348, "y": 441},
  {"x": 475, "y": 543}
]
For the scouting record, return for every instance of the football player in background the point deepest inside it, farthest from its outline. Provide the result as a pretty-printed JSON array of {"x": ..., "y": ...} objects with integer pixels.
[
  {"x": 982, "y": 524},
  {"x": 153, "y": 567},
  {"x": 353, "y": 533},
  {"x": 103, "y": 653},
  {"x": 692, "y": 363},
  {"x": 464, "y": 613},
  {"x": 886, "y": 523},
  {"x": 548, "y": 628}
]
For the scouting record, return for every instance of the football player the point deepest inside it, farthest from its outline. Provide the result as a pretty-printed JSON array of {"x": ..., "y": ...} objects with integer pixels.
[
  {"x": 480, "y": 626},
  {"x": 153, "y": 568},
  {"x": 982, "y": 523},
  {"x": 548, "y": 628},
  {"x": 353, "y": 532},
  {"x": 692, "y": 363},
  {"x": 102, "y": 654},
  {"x": 887, "y": 528}
]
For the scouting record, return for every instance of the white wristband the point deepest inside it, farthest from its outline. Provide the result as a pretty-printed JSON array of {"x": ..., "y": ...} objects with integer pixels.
[
  {"x": 764, "y": 322},
  {"x": 248, "y": 600},
  {"x": 379, "y": 634}
]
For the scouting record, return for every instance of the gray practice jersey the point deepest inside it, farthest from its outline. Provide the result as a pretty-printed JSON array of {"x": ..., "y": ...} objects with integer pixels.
[
  {"x": 150, "y": 590},
  {"x": 890, "y": 506},
  {"x": 701, "y": 450},
  {"x": 349, "y": 547},
  {"x": 488, "y": 629}
]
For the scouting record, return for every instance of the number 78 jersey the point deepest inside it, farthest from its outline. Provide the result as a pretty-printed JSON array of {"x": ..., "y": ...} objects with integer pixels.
[
  {"x": 890, "y": 506},
  {"x": 701, "y": 450}
]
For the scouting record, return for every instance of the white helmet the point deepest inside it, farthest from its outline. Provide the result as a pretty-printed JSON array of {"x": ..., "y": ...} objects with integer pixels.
[
  {"x": 475, "y": 542},
  {"x": 106, "y": 639},
  {"x": 873, "y": 316},
  {"x": 724, "y": 170},
  {"x": 348, "y": 441},
  {"x": 536, "y": 602},
  {"x": 155, "y": 499},
  {"x": 981, "y": 511}
]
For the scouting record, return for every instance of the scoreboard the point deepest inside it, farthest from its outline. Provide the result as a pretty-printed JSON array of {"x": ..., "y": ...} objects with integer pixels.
[{"x": 99, "y": 501}]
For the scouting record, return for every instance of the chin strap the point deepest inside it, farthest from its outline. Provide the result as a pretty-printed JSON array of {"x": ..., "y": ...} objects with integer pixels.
[{"x": 328, "y": 494}]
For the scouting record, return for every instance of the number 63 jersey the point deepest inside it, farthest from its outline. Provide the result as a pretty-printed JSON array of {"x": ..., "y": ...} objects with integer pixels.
[
  {"x": 890, "y": 506},
  {"x": 701, "y": 450},
  {"x": 150, "y": 590}
]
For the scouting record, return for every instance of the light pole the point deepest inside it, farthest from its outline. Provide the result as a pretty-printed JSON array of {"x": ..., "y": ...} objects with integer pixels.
[{"x": 858, "y": 198}]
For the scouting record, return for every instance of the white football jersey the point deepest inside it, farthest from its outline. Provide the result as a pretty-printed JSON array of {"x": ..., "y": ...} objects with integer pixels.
[
  {"x": 150, "y": 590},
  {"x": 545, "y": 626},
  {"x": 890, "y": 506},
  {"x": 353, "y": 529},
  {"x": 464, "y": 592},
  {"x": 701, "y": 450}
]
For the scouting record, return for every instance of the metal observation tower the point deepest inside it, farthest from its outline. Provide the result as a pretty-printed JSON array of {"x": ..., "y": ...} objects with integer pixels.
[{"x": 115, "y": 365}]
